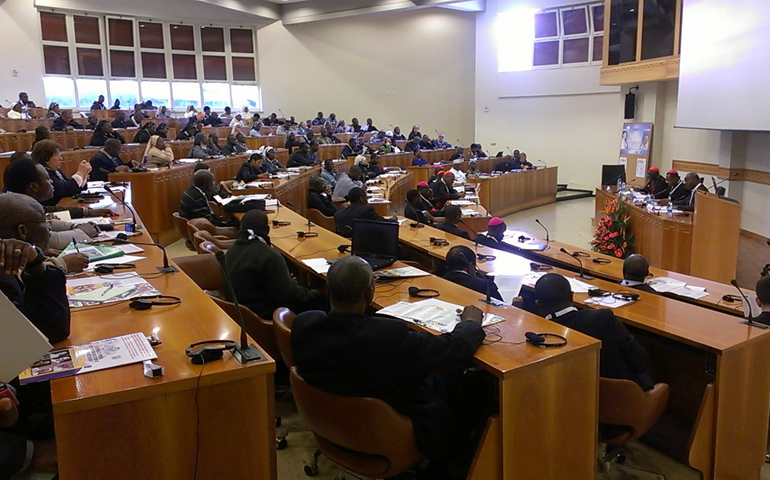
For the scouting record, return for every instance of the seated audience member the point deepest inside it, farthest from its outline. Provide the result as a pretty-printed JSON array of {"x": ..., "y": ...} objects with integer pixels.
[
  {"x": 41, "y": 133},
  {"x": 98, "y": 104},
  {"x": 291, "y": 142},
  {"x": 187, "y": 133},
  {"x": 136, "y": 118},
  {"x": 120, "y": 120},
  {"x": 227, "y": 114},
  {"x": 386, "y": 147},
  {"x": 212, "y": 145},
  {"x": 476, "y": 151},
  {"x": 260, "y": 277},
  {"x": 426, "y": 143},
  {"x": 190, "y": 111},
  {"x": 397, "y": 135},
  {"x": 426, "y": 195},
  {"x": 693, "y": 184},
  {"x": 359, "y": 209},
  {"x": 347, "y": 181},
  {"x": 457, "y": 171},
  {"x": 621, "y": 355},
  {"x": 676, "y": 190},
  {"x": 520, "y": 161},
  {"x": 318, "y": 197},
  {"x": 319, "y": 120},
  {"x": 26, "y": 177},
  {"x": 236, "y": 123},
  {"x": 312, "y": 154},
  {"x": 231, "y": 147},
  {"x": 40, "y": 291},
  {"x": 93, "y": 122},
  {"x": 440, "y": 144},
  {"x": 342, "y": 127},
  {"x": 377, "y": 137},
  {"x": 415, "y": 133},
  {"x": 195, "y": 200},
  {"x": 103, "y": 132},
  {"x": 24, "y": 101},
  {"x": 302, "y": 128},
  {"x": 763, "y": 300},
  {"x": 17, "y": 112},
  {"x": 349, "y": 353},
  {"x": 332, "y": 120},
  {"x": 53, "y": 110},
  {"x": 115, "y": 104},
  {"x": 438, "y": 172},
  {"x": 158, "y": 152},
  {"x": 255, "y": 130},
  {"x": 458, "y": 154},
  {"x": 283, "y": 129},
  {"x": 412, "y": 145},
  {"x": 300, "y": 157},
  {"x": 636, "y": 268},
  {"x": 47, "y": 154},
  {"x": 145, "y": 132},
  {"x": 240, "y": 139},
  {"x": 417, "y": 159},
  {"x": 200, "y": 150},
  {"x": 473, "y": 170},
  {"x": 251, "y": 169},
  {"x": 370, "y": 168},
  {"x": 369, "y": 127},
  {"x": 107, "y": 160},
  {"x": 452, "y": 216},
  {"x": 355, "y": 125},
  {"x": 351, "y": 149},
  {"x": 462, "y": 270},
  {"x": 65, "y": 122},
  {"x": 272, "y": 164},
  {"x": 496, "y": 228},
  {"x": 414, "y": 208},
  {"x": 655, "y": 183},
  {"x": 504, "y": 165},
  {"x": 443, "y": 189},
  {"x": 329, "y": 175},
  {"x": 161, "y": 131},
  {"x": 162, "y": 113}
]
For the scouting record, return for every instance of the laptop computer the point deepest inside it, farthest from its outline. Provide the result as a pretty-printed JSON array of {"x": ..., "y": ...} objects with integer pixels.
[{"x": 376, "y": 242}]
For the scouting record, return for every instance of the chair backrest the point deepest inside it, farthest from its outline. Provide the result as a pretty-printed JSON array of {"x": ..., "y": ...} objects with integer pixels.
[
  {"x": 204, "y": 270},
  {"x": 207, "y": 247},
  {"x": 364, "y": 435},
  {"x": 257, "y": 327},
  {"x": 282, "y": 320},
  {"x": 204, "y": 236},
  {"x": 317, "y": 217},
  {"x": 180, "y": 225},
  {"x": 624, "y": 403},
  {"x": 225, "y": 185}
]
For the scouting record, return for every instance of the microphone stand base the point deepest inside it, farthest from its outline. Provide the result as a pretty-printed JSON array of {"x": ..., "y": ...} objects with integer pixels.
[
  {"x": 493, "y": 301},
  {"x": 248, "y": 354},
  {"x": 755, "y": 324},
  {"x": 583, "y": 276},
  {"x": 168, "y": 269}
]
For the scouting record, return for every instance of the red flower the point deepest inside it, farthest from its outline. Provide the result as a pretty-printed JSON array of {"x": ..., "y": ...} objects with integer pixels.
[{"x": 618, "y": 252}]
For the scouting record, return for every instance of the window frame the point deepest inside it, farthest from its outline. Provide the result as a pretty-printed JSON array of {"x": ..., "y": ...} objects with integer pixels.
[{"x": 591, "y": 34}]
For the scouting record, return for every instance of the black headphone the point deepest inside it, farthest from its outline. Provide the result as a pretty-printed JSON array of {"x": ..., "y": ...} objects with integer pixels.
[
  {"x": 280, "y": 223},
  {"x": 598, "y": 292},
  {"x": 416, "y": 225},
  {"x": 731, "y": 298},
  {"x": 343, "y": 248},
  {"x": 146, "y": 303},
  {"x": 600, "y": 260},
  {"x": 111, "y": 267},
  {"x": 523, "y": 238},
  {"x": 539, "y": 339},
  {"x": 307, "y": 234},
  {"x": 536, "y": 267},
  {"x": 423, "y": 292},
  {"x": 439, "y": 242},
  {"x": 626, "y": 296},
  {"x": 481, "y": 256},
  {"x": 208, "y": 350}
]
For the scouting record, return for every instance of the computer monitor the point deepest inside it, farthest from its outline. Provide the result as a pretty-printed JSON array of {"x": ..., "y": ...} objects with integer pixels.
[
  {"x": 611, "y": 174},
  {"x": 376, "y": 239}
]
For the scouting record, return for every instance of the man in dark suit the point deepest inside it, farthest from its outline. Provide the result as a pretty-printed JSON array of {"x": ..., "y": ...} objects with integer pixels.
[
  {"x": 414, "y": 208},
  {"x": 655, "y": 183},
  {"x": 443, "y": 189},
  {"x": 452, "y": 215},
  {"x": 318, "y": 197},
  {"x": 676, "y": 190},
  {"x": 108, "y": 158},
  {"x": 195, "y": 200},
  {"x": 359, "y": 209},
  {"x": 300, "y": 157},
  {"x": 349, "y": 353},
  {"x": 621, "y": 356},
  {"x": 496, "y": 228},
  {"x": 462, "y": 270},
  {"x": 636, "y": 268},
  {"x": 65, "y": 122},
  {"x": 693, "y": 184},
  {"x": 763, "y": 299}
]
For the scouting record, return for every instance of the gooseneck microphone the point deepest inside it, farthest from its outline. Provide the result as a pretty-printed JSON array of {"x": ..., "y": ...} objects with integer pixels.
[
  {"x": 582, "y": 272},
  {"x": 547, "y": 236},
  {"x": 166, "y": 268},
  {"x": 544, "y": 164},
  {"x": 750, "y": 318},
  {"x": 122, "y": 201},
  {"x": 509, "y": 150},
  {"x": 475, "y": 238},
  {"x": 246, "y": 352}
]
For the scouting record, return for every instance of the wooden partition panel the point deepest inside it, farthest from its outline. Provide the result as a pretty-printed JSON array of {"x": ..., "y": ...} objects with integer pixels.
[
  {"x": 715, "y": 236},
  {"x": 513, "y": 192}
]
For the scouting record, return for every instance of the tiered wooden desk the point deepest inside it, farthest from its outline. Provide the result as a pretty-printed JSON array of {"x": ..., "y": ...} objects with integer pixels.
[
  {"x": 220, "y": 416},
  {"x": 537, "y": 386},
  {"x": 720, "y": 382},
  {"x": 703, "y": 243},
  {"x": 513, "y": 192}
]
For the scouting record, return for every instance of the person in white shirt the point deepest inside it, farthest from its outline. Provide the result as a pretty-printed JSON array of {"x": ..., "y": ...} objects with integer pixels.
[
  {"x": 190, "y": 112},
  {"x": 235, "y": 123},
  {"x": 17, "y": 112},
  {"x": 456, "y": 169}
]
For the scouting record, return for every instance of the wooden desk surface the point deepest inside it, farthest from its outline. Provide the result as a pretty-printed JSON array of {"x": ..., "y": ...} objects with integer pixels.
[{"x": 146, "y": 428}]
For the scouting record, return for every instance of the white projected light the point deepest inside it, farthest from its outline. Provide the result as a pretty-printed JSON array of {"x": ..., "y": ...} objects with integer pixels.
[
  {"x": 515, "y": 33},
  {"x": 724, "y": 65}
]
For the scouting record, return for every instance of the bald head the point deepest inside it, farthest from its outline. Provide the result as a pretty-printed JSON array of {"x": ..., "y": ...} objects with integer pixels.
[
  {"x": 553, "y": 292},
  {"x": 452, "y": 213},
  {"x": 23, "y": 219},
  {"x": 112, "y": 146},
  {"x": 350, "y": 283},
  {"x": 203, "y": 179},
  {"x": 636, "y": 268}
]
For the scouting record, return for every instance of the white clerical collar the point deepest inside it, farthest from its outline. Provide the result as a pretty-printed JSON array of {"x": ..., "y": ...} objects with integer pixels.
[
  {"x": 560, "y": 313},
  {"x": 630, "y": 283}
]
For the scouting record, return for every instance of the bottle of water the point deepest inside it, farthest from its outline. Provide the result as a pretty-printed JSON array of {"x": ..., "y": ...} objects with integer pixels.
[
  {"x": 669, "y": 208},
  {"x": 619, "y": 185}
]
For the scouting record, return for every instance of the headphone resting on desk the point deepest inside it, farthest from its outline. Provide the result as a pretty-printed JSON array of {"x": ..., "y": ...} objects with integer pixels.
[
  {"x": 146, "y": 303},
  {"x": 208, "y": 350}
]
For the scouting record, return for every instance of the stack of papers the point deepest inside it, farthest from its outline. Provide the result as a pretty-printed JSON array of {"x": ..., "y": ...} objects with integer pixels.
[
  {"x": 82, "y": 292},
  {"x": 576, "y": 285},
  {"x": 403, "y": 272},
  {"x": 434, "y": 314},
  {"x": 461, "y": 203},
  {"x": 676, "y": 287},
  {"x": 469, "y": 212}
]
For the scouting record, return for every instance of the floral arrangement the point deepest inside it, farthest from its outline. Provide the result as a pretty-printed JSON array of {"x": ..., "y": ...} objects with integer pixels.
[{"x": 611, "y": 236}]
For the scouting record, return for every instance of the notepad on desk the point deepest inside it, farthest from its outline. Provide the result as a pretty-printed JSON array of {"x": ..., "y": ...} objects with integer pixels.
[{"x": 433, "y": 314}]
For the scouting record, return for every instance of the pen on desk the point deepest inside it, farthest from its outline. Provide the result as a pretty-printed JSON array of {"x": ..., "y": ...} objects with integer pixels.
[
  {"x": 75, "y": 244},
  {"x": 108, "y": 289}
]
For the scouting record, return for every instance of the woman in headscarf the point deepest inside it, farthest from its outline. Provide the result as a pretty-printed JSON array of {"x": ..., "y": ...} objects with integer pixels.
[
  {"x": 46, "y": 153},
  {"x": 157, "y": 151},
  {"x": 53, "y": 111},
  {"x": 104, "y": 131},
  {"x": 200, "y": 149},
  {"x": 272, "y": 165}
]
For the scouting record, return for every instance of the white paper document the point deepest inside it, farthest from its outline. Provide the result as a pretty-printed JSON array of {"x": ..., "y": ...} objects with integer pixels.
[
  {"x": 576, "y": 285},
  {"x": 676, "y": 287},
  {"x": 434, "y": 314},
  {"x": 610, "y": 301},
  {"x": 118, "y": 351},
  {"x": 509, "y": 286},
  {"x": 403, "y": 272},
  {"x": 319, "y": 265},
  {"x": 240, "y": 198},
  {"x": 755, "y": 309},
  {"x": 119, "y": 260},
  {"x": 87, "y": 291},
  {"x": 21, "y": 343}
]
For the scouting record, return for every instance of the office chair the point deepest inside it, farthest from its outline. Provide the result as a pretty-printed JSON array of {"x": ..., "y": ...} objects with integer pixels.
[
  {"x": 203, "y": 270},
  {"x": 623, "y": 403},
  {"x": 317, "y": 217},
  {"x": 363, "y": 435},
  {"x": 197, "y": 224},
  {"x": 180, "y": 225},
  {"x": 282, "y": 320},
  {"x": 203, "y": 236},
  {"x": 207, "y": 247}
]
